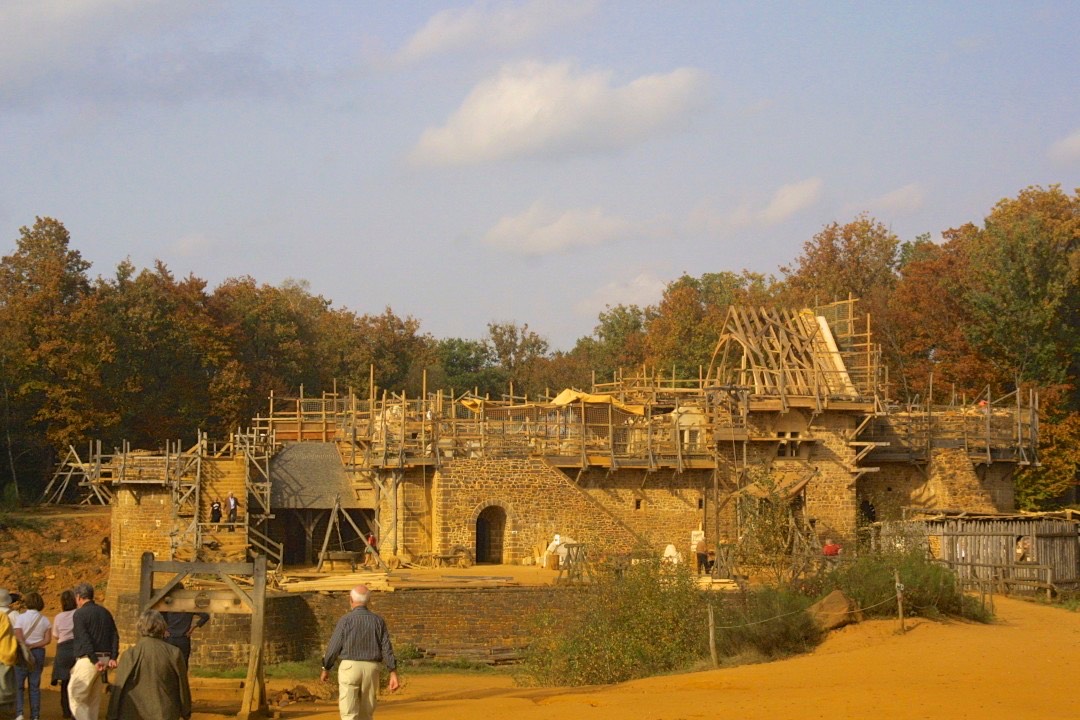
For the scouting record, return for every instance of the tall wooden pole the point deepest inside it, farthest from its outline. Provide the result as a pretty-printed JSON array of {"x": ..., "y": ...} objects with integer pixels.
[{"x": 899, "y": 599}]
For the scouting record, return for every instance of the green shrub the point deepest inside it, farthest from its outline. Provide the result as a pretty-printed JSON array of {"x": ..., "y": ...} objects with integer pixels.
[
  {"x": 769, "y": 622},
  {"x": 644, "y": 621},
  {"x": 930, "y": 589},
  {"x": 651, "y": 620}
]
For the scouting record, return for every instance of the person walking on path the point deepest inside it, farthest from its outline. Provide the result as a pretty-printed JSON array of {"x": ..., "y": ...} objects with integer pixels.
[
  {"x": 63, "y": 631},
  {"x": 215, "y": 513},
  {"x": 152, "y": 677},
  {"x": 361, "y": 641},
  {"x": 97, "y": 645},
  {"x": 32, "y": 629},
  {"x": 233, "y": 505}
]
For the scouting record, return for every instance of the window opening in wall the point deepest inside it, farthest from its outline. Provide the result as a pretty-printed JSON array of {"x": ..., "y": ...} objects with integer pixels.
[
  {"x": 701, "y": 503},
  {"x": 789, "y": 444},
  {"x": 637, "y": 504}
]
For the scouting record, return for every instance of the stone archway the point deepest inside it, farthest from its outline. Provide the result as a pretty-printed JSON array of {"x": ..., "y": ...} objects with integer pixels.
[{"x": 490, "y": 535}]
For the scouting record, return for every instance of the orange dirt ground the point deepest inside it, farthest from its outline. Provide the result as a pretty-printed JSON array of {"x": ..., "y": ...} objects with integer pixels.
[
  {"x": 63, "y": 547},
  {"x": 1023, "y": 666}
]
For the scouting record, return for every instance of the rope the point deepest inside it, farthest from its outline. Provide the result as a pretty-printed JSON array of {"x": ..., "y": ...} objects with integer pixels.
[{"x": 796, "y": 612}]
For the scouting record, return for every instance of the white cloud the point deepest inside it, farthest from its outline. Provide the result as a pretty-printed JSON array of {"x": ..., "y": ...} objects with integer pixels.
[
  {"x": 786, "y": 201},
  {"x": 104, "y": 50},
  {"x": 641, "y": 290},
  {"x": 486, "y": 24},
  {"x": 706, "y": 219},
  {"x": 193, "y": 245},
  {"x": 901, "y": 200},
  {"x": 541, "y": 230},
  {"x": 790, "y": 199},
  {"x": 1066, "y": 150},
  {"x": 532, "y": 109},
  {"x": 39, "y": 36}
]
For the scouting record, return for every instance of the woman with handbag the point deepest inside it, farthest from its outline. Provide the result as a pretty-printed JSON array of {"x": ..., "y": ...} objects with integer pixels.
[{"x": 32, "y": 631}]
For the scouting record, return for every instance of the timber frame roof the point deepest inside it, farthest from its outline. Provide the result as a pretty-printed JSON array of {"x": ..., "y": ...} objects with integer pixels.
[{"x": 786, "y": 355}]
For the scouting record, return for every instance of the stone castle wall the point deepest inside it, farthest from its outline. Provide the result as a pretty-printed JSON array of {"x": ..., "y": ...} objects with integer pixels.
[
  {"x": 949, "y": 482},
  {"x": 538, "y": 502},
  {"x": 142, "y": 521},
  {"x": 658, "y": 508},
  {"x": 475, "y": 624},
  {"x": 830, "y": 496}
]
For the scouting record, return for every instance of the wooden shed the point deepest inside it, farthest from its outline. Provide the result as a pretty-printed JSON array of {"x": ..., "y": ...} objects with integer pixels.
[{"x": 1026, "y": 552}]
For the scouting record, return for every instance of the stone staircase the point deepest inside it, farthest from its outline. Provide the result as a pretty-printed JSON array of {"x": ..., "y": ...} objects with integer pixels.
[{"x": 220, "y": 477}]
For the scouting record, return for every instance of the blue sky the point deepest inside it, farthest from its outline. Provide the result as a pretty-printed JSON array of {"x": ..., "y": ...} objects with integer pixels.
[{"x": 518, "y": 161}]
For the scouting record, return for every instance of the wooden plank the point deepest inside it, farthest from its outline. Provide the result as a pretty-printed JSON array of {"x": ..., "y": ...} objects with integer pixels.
[
  {"x": 211, "y": 601},
  {"x": 194, "y": 568}
]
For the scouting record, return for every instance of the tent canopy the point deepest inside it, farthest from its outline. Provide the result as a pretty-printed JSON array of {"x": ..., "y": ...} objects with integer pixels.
[{"x": 567, "y": 397}]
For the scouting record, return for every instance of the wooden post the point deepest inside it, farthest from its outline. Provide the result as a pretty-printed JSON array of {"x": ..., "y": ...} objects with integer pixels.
[
  {"x": 712, "y": 638},
  {"x": 329, "y": 529},
  {"x": 255, "y": 687},
  {"x": 900, "y": 599},
  {"x": 424, "y": 414},
  {"x": 584, "y": 431},
  {"x": 146, "y": 579}
]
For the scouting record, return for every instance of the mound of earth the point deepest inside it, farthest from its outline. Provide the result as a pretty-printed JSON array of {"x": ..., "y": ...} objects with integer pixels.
[{"x": 51, "y": 549}]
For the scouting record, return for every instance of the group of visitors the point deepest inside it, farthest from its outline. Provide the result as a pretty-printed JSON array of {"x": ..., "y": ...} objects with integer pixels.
[{"x": 151, "y": 678}]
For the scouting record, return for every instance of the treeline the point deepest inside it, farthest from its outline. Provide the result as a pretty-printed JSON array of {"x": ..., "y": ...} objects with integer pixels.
[{"x": 144, "y": 356}]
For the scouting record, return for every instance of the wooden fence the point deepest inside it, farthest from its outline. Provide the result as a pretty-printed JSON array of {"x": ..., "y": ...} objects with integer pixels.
[{"x": 1023, "y": 553}]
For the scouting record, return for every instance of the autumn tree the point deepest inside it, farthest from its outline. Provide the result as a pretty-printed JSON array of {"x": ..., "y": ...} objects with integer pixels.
[
  {"x": 858, "y": 258},
  {"x": 397, "y": 349},
  {"x": 465, "y": 366},
  {"x": 617, "y": 342},
  {"x": 519, "y": 353},
  {"x": 924, "y": 329},
  {"x": 270, "y": 333},
  {"x": 41, "y": 284},
  {"x": 683, "y": 329},
  {"x": 1026, "y": 287},
  {"x": 560, "y": 370},
  {"x": 1026, "y": 319},
  {"x": 164, "y": 351}
]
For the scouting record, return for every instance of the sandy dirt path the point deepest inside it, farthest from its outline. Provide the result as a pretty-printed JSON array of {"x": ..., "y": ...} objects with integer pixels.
[{"x": 1026, "y": 665}]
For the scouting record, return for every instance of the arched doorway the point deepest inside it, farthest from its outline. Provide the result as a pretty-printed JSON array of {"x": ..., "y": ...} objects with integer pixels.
[{"x": 490, "y": 529}]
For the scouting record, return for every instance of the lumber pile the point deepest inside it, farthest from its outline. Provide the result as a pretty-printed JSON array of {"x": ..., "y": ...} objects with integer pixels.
[
  {"x": 383, "y": 582},
  {"x": 335, "y": 583},
  {"x": 719, "y": 584},
  {"x": 451, "y": 582}
]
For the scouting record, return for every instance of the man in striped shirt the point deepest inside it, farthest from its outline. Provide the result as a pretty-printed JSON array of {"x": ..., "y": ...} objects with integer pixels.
[{"x": 361, "y": 641}]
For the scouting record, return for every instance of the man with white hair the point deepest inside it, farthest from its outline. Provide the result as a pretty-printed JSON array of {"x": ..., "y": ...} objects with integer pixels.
[
  {"x": 361, "y": 641},
  {"x": 96, "y": 648}
]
